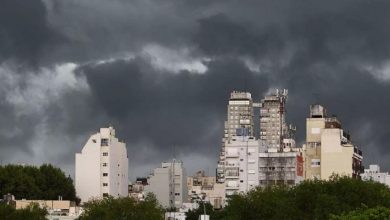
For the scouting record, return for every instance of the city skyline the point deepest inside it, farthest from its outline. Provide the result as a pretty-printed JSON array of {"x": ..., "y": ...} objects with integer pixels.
[{"x": 161, "y": 74}]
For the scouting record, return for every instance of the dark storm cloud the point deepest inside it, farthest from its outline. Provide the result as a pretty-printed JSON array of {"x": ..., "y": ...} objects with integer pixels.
[
  {"x": 332, "y": 52},
  {"x": 24, "y": 30},
  {"x": 170, "y": 110}
]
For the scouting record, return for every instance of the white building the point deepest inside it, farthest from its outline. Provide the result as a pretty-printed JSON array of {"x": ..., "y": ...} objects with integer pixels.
[
  {"x": 169, "y": 184},
  {"x": 373, "y": 173},
  {"x": 102, "y": 167},
  {"x": 241, "y": 164}
]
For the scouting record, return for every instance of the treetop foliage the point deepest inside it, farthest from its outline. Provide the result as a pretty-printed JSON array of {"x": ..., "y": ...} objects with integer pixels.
[
  {"x": 125, "y": 208},
  {"x": 312, "y": 199},
  {"x": 29, "y": 182},
  {"x": 32, "y": 212}
]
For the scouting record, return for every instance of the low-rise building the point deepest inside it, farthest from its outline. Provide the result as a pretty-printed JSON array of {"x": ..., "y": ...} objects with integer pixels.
[
  {"x": 374, "y": 173},
  {"x": 205, "y": 188},
  {"x": 57, "y": 209},
  {"x": 136, "y": 189}
]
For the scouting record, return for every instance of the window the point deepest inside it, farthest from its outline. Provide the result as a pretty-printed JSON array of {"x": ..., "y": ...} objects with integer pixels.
[
  {"x": 241, "y": 181},
  {"x": 315, "y": 162},
  {"x": 104, "y": 142},
  {"x": 105, "y": 174},
  {"x": 104, "y": 164},
  {"x": 105, "y": 194},
  {"x": 177, "y": 194},
  {"x": 105, "y": 184},
  {"x": 105, "y": 154}
]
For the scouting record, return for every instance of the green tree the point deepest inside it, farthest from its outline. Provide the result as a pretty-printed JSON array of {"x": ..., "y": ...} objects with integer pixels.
[
  {"x": 377, "y": 213},
  {"x": 125, "y": 208},
  {"x": 32, "y": 212},
  {"x": 30, "y": 182},
  {"x": 313, "y": 199}
]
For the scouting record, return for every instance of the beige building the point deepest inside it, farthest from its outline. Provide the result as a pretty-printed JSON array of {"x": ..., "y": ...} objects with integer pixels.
[
  {"x": 202, "y": 187},
  {"x": 329, "y": 149},
  {"x": 62, "y": 208}
]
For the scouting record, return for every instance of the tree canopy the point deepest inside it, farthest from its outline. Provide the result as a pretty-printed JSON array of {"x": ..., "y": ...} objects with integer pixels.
[
  {"x": 125, "y": 208},
  {"x": 30, "y": 182},
  {"x": 377, "y": 213},
  {"x": 32, "y": 212},
  {"x": 316, "y": 199}
]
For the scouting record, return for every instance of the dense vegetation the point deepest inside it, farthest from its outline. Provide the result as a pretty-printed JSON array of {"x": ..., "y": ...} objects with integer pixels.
[
  {"x": 30, "y": 182},
  {"x": 378, "y": 213},
  {"x": 339, "y": 198},
  {"x": 32, "y": 212},
  {"x": 123, "y": 208}
]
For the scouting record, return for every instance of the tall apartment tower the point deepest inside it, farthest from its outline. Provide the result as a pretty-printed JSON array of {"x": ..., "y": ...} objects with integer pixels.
[
  {"x": 239, "y": 115},
  {"x": 169, "y": 184},
  {"x": 102, "y": 167},
  {"x": 329, "y": 149},
  {"x": 273, "y": 127}
]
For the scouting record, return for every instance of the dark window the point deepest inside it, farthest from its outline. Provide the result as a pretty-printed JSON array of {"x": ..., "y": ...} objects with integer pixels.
[
  {"x": 104, "y": 164},
  {"x": 177, "y": 194},
  {"x": 105, "y": 194},
  {"x": 105, "y": 153},
  {"x": 105, "y": 174},
  {"x": 105, "y": 184},
  {"x": 104, "y": 142}
]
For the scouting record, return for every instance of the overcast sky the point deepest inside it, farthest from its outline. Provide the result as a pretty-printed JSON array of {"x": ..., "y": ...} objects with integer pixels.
[{"x": 161, "y": 72}]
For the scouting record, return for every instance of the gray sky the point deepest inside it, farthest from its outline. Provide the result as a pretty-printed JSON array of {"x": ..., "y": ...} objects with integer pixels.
[{"x": 161, "y": 73}]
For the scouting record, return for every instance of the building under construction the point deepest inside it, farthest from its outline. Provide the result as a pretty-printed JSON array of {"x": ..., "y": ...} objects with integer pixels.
[{"x": 280, "y": 162}]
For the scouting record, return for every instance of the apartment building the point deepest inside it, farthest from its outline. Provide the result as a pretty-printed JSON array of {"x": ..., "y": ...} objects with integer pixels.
[
  {"x": 169, "y": 184},
  {"x": 329, "y": 149},
  {"x": 102, "y": 167}
]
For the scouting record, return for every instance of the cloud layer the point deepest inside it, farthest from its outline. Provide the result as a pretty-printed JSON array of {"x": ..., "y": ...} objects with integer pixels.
[{"x": 161, "y": 73}]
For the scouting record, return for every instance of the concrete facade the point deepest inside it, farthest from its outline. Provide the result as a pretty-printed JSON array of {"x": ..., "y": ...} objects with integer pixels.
[
  {"x": 102, "y": 167},
  {"x": 274, "y": 132},
  {"x": 57, "y": 209},
  {"x": 205, "y": 188},
  {"x": 169, "y": 184},
  {"x": 281, "y": 168},
  {"x": 241, "y": 165},
  {"x": 239, "y": 115},
  {"x": 329, "y": 149}
]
